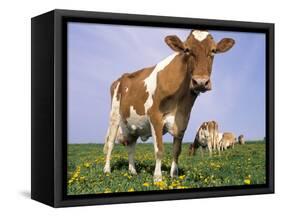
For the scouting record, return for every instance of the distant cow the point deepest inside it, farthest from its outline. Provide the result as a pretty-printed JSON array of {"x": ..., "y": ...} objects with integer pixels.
[
  {"x": 241, "y": 140},
  {"x": 206, "y": 137},
  {"x": 219, "y": 144},
  {"x": 228, "y": 140},
  {"x": 159, "y": 99}
]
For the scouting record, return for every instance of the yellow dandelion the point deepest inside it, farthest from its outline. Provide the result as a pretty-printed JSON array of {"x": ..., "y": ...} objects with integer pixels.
[
  {"x": 181, "y": 187},
  {"x": 182, "y": 177},
  {"x": 146, "y": 184},
  {"x": 107, "y": 190},
  {"x": 247, "y": 181},
  {"x": 160, "y": 184},
  {"x": 86, "y": 164},
  {"x": 131, "y": 189}
]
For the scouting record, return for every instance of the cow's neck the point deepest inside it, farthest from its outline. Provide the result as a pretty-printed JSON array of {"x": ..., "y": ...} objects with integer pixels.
[
  {"x": 182, "y": 77},
  {"x": 173, "y": 92}
]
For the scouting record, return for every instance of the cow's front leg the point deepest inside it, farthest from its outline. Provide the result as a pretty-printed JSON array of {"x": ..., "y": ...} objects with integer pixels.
[
  {"x": 131, "y": 157},
  {"x": 210, "y": 149},
  {"x": 176, "y": 152},
  {"x": 156, "y": 130},
  {"x": 201, "y": 151}
]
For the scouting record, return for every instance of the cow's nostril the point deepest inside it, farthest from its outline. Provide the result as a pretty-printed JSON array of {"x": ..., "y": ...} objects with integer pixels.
[
  {"x": 207, "y": 82},
  {"x": 194, "y": 82}
]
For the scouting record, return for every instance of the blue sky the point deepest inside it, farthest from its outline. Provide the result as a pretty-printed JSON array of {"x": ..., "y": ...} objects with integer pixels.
[{"x": 98, "y": 54}]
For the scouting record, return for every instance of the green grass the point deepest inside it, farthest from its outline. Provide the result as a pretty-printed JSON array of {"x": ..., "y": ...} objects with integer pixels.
[{"x": 245, "y": 164}]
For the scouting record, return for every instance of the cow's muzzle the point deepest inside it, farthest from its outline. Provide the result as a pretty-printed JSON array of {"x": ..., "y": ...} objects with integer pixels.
[{"x": 200, "y": 84}]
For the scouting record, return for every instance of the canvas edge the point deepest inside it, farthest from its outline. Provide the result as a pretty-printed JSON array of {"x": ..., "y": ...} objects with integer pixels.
[{"x": 42, "y": 95}]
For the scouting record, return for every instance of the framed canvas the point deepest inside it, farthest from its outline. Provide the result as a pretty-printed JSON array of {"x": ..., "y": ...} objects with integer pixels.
[{"x": 133, "y": 108}]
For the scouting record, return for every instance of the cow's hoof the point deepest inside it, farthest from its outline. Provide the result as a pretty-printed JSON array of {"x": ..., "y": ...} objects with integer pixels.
[
  {"x": 174, "y": 173},
  {"x": 133, "y": 171},
  {"x": 157, "y": 178},
  {"x": 174, "y": 170},
  {"x": 106, "y": 169}
]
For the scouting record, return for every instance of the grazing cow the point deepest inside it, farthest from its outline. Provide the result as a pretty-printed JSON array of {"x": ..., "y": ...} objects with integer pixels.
[
  {"x": 228, "y": 140},
  {"x": 159, "y": 99},
  {"x": 241, "y": 140},
  {"x": 206, "y": 137}
]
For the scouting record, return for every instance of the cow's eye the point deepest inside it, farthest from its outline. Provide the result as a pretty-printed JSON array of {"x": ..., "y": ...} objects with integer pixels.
[
  {"x": 187, "y": 51},
  {"x": 213, "y": 52}
]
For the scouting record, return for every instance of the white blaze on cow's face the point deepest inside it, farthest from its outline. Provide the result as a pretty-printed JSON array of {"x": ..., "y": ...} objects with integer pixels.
[
  {"x": 204, "y": 134},
  {"x": 200, "y": 49},
  {"x": 200, "y": 35}
]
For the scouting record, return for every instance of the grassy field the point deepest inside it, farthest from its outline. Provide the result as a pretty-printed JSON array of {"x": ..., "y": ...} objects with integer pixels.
[{"x": 243, "y": 165}]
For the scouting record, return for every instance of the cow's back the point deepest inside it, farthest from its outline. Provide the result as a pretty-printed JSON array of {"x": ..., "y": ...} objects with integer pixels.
[
  {"x": 133, "y": 92},
  {"x": 229, "y": 136}
]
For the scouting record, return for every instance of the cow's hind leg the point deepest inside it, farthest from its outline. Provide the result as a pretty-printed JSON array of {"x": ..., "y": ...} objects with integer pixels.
[
  {"x": 109, "y": 144},
  {"x": 219, "y": 149},
  {"x": 176, "y": 152},
  {"x": 112, "y": 129},
  {"x": 223, "y": 145}
]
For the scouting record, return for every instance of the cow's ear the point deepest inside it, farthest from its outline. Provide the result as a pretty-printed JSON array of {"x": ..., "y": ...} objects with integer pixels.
[
  {"x": 175, "y": 43},
  {"x": 225, "y": 45}
]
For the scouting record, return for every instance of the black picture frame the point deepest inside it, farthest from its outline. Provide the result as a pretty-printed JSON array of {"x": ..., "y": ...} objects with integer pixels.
[{"x": 49, "y": 106}]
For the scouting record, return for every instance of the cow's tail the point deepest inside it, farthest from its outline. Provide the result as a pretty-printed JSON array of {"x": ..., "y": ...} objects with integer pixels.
[{"x": 114, "y": 119}]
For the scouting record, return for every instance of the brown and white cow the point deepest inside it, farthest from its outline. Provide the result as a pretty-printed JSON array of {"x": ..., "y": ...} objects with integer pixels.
[
  {"x": 206, "y": 137},
  {"x": 241, "y": 140},
  {"x": 228, "y": 140},
  {"x": 159, "y": 99}
]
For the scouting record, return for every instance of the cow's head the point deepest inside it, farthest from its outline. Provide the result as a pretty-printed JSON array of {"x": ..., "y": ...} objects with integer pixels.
[
  {"x": 203, "y": 133},
  {"x": 200, "y": 49}
]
